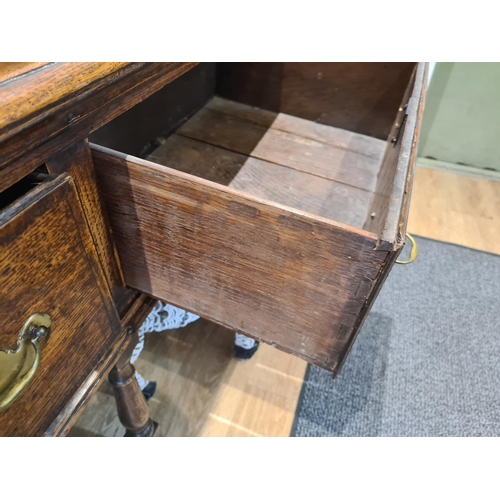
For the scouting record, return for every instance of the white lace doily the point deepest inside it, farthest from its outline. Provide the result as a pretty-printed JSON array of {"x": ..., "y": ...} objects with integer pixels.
[
  {"x": 167, "y": 317},
  {"x": 162, "y": 317},
  {"x": 242, "y": 341}
]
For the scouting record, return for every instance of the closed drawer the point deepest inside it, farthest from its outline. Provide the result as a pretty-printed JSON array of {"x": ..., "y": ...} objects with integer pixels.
[
  {"x": 49, "y": 266},
  {"x": 294, "y": 249}
]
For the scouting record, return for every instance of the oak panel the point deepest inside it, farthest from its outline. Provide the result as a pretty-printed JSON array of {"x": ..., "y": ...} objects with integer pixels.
[
  {"x": 49, "y": 265},
  {"x": 287, "y": 278},
  {"x": 360, "y": 97},
  {"x": 77, "y": 162},
  {"x": 389, "y": 206},
  {"x": 270, "y": 181},
  {"x": 284, "y": 148},
  {"x": 10, "y": 70}
]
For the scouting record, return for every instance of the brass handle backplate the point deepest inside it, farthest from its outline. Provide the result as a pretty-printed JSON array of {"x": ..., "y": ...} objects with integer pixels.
[
  {"x": 18, "y": 366},
  {"x": 413, "y": 252}
]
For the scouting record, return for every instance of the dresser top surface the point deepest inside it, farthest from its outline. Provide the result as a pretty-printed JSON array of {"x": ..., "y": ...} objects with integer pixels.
[
  {"x": 28, "y": 90},
  {"x": 46, "y": 107},
  {"x": 9, "y": 70}
]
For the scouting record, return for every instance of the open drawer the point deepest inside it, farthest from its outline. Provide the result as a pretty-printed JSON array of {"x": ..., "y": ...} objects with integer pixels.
[{"x": 272, "y": 225}]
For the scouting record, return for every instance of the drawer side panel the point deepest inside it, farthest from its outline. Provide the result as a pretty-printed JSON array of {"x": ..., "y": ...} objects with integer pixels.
[{"x": 282, "y": 276}]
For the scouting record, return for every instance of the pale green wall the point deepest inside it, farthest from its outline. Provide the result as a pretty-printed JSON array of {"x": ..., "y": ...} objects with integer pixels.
[{"x": 461, "y": 122}]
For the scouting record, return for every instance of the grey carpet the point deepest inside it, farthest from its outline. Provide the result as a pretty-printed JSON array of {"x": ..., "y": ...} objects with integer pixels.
[{"x": 427, "y": 361}]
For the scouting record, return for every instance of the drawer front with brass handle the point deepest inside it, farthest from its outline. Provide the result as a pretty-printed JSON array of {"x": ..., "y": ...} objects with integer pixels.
[{"x": 57, "y": 320}]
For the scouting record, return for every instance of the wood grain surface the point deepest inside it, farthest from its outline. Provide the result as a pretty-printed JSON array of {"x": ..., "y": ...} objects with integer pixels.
[
  {"x": 456, "y": 208},
  {"x": 333, "y": 136},
  {"x": 288, "y": 175},
  {"x": 360, "y": 97},
  {"x": 77, "y": 162},
  {"x": 23, "y": 100},
  {"x": 49, "y": 265},
  {"x": 9, "y": 70},
  {"x": 388, "y": 212},
  {"x": 62, "y": 103},
  {"x": 245, "y": 263},
  {"x": 246, "y": 137}
]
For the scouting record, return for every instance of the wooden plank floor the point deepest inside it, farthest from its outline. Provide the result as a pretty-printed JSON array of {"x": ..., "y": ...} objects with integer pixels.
[
  {"x": 202, "y": 391},
  {"x": 456, "y": 208}
]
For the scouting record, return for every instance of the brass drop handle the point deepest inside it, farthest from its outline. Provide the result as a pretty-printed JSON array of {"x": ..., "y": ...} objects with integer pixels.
[
  {"x": 413, "y": 252},
  {"x": 18, "y": 366}
]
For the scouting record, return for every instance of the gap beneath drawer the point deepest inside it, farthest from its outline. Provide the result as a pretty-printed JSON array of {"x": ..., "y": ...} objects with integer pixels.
[{"x": 23, "y": 186}]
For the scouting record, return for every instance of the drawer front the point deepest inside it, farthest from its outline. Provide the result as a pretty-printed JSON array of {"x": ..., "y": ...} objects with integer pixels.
[{"x": 49, "y": 266}]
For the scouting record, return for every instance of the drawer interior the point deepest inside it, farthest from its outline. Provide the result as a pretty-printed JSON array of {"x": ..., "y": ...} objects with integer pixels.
[
  {"x": 308, "y": 166},
  {"x": 296, "y": 281},
  {"x": 315, "y": 137},
  {"x": 267, "y": 222}
]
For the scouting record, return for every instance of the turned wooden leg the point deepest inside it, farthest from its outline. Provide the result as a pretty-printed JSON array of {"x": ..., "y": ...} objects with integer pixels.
[{"x": 133, "y": 409}]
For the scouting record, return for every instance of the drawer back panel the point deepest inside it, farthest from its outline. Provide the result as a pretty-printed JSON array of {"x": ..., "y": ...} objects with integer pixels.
[{"x": 360, "y": 97}]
